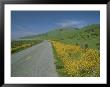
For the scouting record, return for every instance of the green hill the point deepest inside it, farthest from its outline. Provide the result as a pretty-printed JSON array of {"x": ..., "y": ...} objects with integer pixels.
[{"x": 88, "y": 36}]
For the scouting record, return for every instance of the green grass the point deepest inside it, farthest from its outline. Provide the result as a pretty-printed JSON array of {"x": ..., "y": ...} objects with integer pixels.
[{"x": 59, "y": 64}]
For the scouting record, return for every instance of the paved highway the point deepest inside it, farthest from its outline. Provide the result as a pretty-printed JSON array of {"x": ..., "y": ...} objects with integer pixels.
[{"x": 36, "y": 61}]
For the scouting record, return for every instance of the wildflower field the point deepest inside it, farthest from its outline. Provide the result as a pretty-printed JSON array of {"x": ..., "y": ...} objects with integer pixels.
[{"x": 72, "y": 60}]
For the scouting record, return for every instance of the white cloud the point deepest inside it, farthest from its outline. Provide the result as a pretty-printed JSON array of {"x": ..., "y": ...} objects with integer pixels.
[{"x": 73, "y": 23}]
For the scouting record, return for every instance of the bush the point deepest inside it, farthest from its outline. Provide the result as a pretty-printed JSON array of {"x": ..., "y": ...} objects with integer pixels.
[{"x": 86, "y": 46}]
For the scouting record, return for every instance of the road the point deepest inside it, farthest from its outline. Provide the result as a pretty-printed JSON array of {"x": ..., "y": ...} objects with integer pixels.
[{"x": 36, "y": 61}]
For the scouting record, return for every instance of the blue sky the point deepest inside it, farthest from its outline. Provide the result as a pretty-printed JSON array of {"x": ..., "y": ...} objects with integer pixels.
[{"x": 25, "y": 23}]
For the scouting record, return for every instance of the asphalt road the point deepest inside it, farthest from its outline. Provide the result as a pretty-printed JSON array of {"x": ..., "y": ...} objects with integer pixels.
[{"x": 36, "y": 61}]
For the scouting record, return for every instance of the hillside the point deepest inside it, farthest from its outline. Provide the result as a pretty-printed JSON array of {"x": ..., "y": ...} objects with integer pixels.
[{"x": 88, "y": 36}]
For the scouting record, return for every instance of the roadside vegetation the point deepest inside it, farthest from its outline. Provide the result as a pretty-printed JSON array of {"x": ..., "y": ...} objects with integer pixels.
[
  {"x": 72, "y": 60},
  {"x": 19, "y": 45}
]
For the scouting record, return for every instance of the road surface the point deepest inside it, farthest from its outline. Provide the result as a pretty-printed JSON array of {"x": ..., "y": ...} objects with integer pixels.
[{"x": 36, "y": 61}]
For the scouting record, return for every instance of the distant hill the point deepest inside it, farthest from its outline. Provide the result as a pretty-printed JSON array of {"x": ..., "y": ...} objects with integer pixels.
[{"x": 89, "y": 35}]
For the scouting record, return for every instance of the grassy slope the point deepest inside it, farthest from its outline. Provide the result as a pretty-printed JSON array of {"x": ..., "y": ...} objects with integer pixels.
[{"x": 89, "y": 36}]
